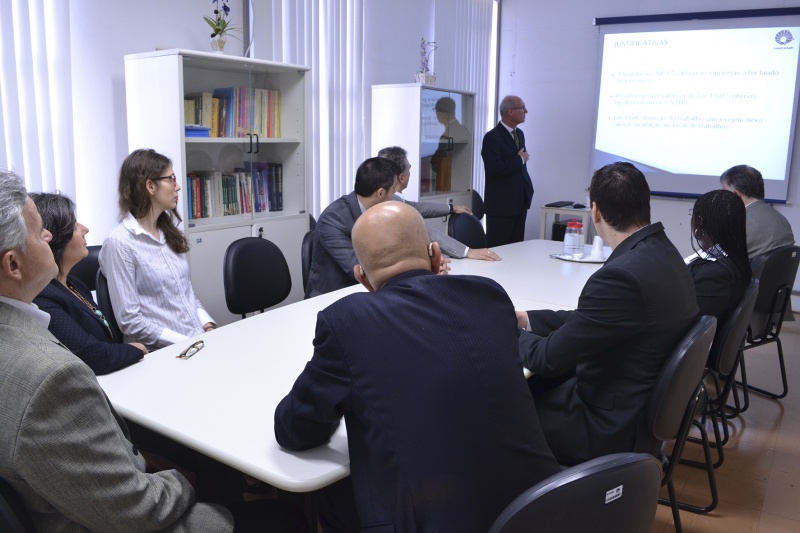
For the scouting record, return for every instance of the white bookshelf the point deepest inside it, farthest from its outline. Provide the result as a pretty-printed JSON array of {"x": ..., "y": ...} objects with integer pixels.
[{"x": 156, "y": 83}]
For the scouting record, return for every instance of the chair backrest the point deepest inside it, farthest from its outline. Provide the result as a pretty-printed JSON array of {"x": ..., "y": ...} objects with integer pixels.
[
  {"x": 757, "y": 265},
  {"x": 86, "y": 269},
  {"x": 477, "y": 205},
  {"x": 104, "y": 304},
  {"x": 312, "y": 222},
  {"x": 255, "y": 275},
  {"x": 730, "y": 335},
  {"x": 467, "y": 229},
  {"x": 306, "y": 253},
  {"x": 777, "y": 279},
  {"x": 678, "y": 379},
  {"x": 616, "y": 493},
  {"x": 14, "y": 517}
]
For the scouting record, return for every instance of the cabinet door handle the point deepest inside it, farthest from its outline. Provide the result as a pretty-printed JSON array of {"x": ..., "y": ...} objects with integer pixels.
[
  {"x": 250, "y": 136},
  {"x": 450, "y": 143},
  {"x": 257, "y": 145}
]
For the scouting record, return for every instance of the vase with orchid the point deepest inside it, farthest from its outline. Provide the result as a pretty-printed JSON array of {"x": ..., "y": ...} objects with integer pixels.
[
  {"x": 424, "y": 74},
  {"x": 221, "y": 27}
]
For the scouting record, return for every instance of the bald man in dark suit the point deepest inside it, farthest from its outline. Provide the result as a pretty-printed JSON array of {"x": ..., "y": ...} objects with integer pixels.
[{"x": 442, "y": 430}]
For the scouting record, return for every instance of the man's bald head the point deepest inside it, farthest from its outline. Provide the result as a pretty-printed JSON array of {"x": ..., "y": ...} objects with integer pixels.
[{"x": 391, "y": 238}]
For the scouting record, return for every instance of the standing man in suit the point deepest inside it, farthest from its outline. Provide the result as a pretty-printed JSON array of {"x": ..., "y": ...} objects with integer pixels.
[
  {"x": 441, "y": 428},
  {"x": 509, "y": 190},
  {"x": 767, "y": 229},
  {"x": 62, "y": 446},
  {"x": 594, "y": 367},
  {"x": 449, "y": 245},
  {"x": 333, "y": 259}
]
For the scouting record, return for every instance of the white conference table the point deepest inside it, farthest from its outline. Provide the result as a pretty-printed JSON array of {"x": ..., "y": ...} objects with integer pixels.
[
  {"x": 527, "y": 272},
  {"x": 221, "y": 402}
]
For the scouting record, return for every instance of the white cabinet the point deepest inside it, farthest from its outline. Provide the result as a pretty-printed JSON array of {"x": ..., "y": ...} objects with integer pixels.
[
  {"x": 273, "y": 94},
  {"x": 437, "y": 129}
]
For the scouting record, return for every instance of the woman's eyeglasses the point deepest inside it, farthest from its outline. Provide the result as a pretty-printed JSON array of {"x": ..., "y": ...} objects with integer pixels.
[
  {"x": 191, "y": 350},
  {"x": 172, "y": 177}
]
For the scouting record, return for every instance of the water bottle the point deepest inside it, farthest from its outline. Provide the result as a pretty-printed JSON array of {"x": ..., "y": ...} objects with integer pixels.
[{"x": 573, "y": 239}]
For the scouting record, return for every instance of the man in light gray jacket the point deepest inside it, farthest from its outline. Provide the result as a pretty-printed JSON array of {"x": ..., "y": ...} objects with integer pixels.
[
  {"x": 62, "y": 446},
  {"x": 767, "y": 229}
]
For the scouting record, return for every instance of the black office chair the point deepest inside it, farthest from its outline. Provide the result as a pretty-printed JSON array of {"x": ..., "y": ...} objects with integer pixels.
[
  {"x": 467, "y": 229},
  {"x": 615, "y": 493},
  {"x": 477, "y": 205},
  {"x": 774, "y": 299},
  {"x": 14, "y": 517},
  {"x": 104, "y": 304},
  {"x": 86, "y": 269},
  {"x": 255, "y": 275},
  {"x": 306, "y": 253},
  {"x": 312, "y": 222},
  {"x": 676, "y": 396},
  {"x": 723, "y": 363}
]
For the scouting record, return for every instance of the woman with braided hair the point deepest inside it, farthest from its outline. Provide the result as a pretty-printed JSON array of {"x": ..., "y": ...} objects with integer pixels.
[{"x": 721, "y": 268}]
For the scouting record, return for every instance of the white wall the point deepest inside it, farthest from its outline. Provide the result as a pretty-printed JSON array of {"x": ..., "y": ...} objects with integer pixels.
[
  {"x": 549, "y": 57},
  {"x": 101, "y": 33}
]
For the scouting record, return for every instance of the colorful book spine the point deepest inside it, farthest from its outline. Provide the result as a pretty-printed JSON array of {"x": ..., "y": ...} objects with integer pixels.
[{"x": 215, "y": 117}]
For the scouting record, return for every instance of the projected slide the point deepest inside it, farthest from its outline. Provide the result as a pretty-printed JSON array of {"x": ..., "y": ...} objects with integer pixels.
[{"x": 699, "y": 101}]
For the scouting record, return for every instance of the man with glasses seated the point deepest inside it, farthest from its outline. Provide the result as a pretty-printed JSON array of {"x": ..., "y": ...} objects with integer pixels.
[{"x": 509, "y": 190}]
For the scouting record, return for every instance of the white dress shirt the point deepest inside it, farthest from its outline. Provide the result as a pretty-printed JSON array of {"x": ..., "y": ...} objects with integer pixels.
[
  {"x": 150, "y": 288},
  {"x": 32, "y": 310}
]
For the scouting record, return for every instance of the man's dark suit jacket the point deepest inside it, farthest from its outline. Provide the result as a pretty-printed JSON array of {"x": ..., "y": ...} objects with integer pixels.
[
  {"x": 333, "y": 259},
  {"x": 509, "y": 190},
  {"x": 630, "y": 316},
  {"x": 441, "y": 426},
  {"x": 82, "y": 331}
]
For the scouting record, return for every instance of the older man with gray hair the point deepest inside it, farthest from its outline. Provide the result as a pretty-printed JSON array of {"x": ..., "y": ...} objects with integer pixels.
[
  {"x": 62, "y": 446},
  {"x": 767, "y": 228},
  {"x": 449, "y": 245},
  {"x": 509, "y": 189}
]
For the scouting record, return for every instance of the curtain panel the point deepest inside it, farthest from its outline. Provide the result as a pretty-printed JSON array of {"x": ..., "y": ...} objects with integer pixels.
[
  {"x": 328, "y": 36},
  {"x": 35, "y": 94}
]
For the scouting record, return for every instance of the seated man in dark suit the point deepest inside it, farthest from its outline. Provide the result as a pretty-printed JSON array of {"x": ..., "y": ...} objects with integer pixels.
[
  {"x": 767, "y": 228},
  {"x": 62, "y": 446},
  {"x": 449, "y": 245},
  {"x": 594, "y": 367},
  {"x": 333, "y": 259},
  {"x": 441, "y": 427}
]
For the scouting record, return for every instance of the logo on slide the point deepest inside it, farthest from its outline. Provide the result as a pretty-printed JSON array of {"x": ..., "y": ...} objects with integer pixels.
[{"x": 784, "y": 37}]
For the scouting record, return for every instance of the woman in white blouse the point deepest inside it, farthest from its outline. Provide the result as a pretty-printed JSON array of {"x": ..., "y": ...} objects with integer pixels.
[{"x": 144, "y": 257}]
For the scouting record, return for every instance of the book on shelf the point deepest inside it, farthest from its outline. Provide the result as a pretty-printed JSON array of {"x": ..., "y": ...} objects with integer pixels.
[
  {"x": 189, "y": 113},
  {"x": 213, "y": 193},
  {"x": 202, "y": 107},
  {"x": 215, "y": 117},
  {"x": 279, "y": 186},
  {"x": 267, "y": 185},
  {"x": 243, "y": 111},
  {"x": 193, "y": 130}
]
